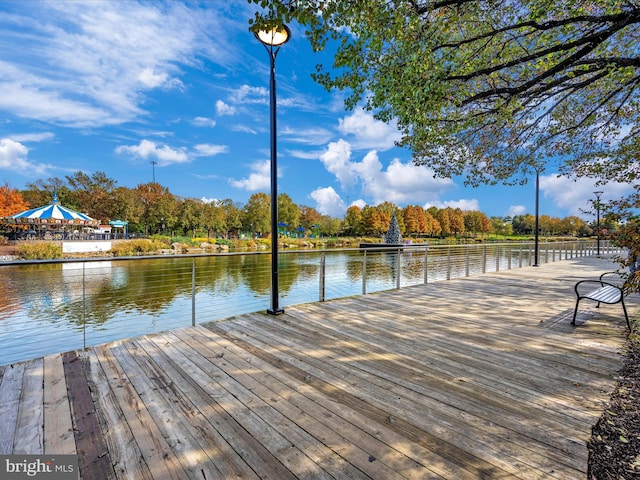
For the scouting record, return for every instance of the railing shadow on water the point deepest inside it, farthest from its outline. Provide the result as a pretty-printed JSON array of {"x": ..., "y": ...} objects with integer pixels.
[{"x": 54, "y": 306}]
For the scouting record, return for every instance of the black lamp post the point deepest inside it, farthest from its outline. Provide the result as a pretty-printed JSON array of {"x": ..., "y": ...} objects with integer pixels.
[
  {"x": 597, "y": 194},
  {"x": 273, "y": 39},
  {"x": 536, "y": 249}
]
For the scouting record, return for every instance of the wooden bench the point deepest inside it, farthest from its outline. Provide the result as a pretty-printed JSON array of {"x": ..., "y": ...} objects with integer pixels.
[{"x": 601, "y": 291}]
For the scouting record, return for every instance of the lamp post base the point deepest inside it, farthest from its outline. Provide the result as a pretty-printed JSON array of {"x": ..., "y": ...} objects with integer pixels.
[{"x": 278, "y": 311}]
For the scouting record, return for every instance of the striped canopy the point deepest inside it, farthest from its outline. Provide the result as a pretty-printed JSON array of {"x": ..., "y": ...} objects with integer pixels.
[{"x": 54, "y": 213}]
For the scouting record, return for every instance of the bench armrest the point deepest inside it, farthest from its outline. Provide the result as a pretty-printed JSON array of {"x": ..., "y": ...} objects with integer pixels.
[{"x": 619, "y": 279}]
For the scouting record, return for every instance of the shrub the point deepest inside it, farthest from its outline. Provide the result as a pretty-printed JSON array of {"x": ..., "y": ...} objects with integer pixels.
[
  {"x": 39, "y": 251},
  {"x": 129, "y": 248}
]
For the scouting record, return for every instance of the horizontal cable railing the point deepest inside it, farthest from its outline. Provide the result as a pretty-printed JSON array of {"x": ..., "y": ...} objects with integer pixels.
[{"x": 53, "y": 306}]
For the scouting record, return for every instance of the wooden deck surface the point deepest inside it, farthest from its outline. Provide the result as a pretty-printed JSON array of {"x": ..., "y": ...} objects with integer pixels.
[{"x": 482, "y": 377}]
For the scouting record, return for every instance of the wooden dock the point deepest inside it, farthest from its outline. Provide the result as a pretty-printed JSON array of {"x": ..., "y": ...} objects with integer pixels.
[{"x": 474, "y": 378}]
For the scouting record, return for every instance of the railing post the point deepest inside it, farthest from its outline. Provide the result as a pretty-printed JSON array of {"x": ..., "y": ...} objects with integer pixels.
[
  {"x": 364, "y": 272},
  {"x": 322, "y": 276},
  {"x": 497, "y": 250},
  {"x": 509, "y": 254},
  {"x": 193, "y": 292},
  {"x": 398, "y": 269},
  {"x": 448, "y": 263},
  {"x": 84, "y": 308},
  {"x": 520, "y": 256},
  {"x": 484, "y": 259},
  {"x": 426, "y": 257},
  {"x": 466, "y": 261}
]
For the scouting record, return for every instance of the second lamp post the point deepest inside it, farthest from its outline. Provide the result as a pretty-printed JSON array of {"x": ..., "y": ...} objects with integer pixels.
[{"x": 597, "y": 194}]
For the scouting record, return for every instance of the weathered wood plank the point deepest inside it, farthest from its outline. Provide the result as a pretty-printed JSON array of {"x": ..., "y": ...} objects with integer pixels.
[
  {"x": 58, "y": 426},
  {"x": 29, "y": 436},
  {"x": 157, "y": 454},
  {"x": 94, "y": 456},
  {"x": 124, "y": 452},
  {"x": 10, "y": 390}
]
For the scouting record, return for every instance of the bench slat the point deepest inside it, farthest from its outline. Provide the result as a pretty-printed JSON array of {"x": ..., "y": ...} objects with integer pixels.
[{"x": 606, "y": 294}]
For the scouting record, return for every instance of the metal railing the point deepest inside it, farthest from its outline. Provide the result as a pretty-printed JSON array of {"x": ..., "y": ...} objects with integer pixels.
[{"x": 53, "y": 306}]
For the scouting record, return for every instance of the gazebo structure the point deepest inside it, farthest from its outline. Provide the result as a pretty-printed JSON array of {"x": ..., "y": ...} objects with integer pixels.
[{"x": 52, "y": 221}]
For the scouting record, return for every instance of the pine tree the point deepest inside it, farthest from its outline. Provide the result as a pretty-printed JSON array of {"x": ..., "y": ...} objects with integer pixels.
[{"x": 393, "y": 235}]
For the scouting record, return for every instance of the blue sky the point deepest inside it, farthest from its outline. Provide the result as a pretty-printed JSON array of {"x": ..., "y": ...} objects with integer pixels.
[{"x": 114, "y": 86}]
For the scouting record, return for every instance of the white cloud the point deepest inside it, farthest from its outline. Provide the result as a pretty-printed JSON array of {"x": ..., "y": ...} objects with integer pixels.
[
  {"x": 150, "y": 79},
  {"x": 401, "y": 183},
  {"x": 244, "y": 129},
  {"x": 246, "y": 94},
  {"x": 32, "y": 137},
  {"x": 328, "y": 202},
  {"x": 360, "y": 203},
  {"x": 337, "y": 160},
  {"x": 209, "y": 150},
  {"x": 463, "y": 204},
  {"x": 577, "y": 195},
  {"x": 305, "y": 154},
  {"x": 515, "y": 210},
  {"x": 365, "y": 132},
  {"x": 163, "y": 153},
  {"x": 224, "y": 109},
  {"x": 260, "y": 179},
  {"x": 89, "y": 64},
  {"x": 203, "y": 122},
  {"x": 308, "y": 136},
  {"x": 14, "y": 157}
]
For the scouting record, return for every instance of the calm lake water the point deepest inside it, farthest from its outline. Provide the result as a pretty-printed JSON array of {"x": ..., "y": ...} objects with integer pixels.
[{"x": 54, "y": 307}]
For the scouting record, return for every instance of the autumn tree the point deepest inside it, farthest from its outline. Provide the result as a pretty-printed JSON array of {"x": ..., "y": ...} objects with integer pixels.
[
  {"x": 353, "y": 221},
  {"x": 501, "y": 226},
  {"x": 375, "y": 220},
  {"x": 257, "y": 214},
  {"x": 433, "y": 225},
  {"x": 524, "y": 224},
  {"x": 190, "y": 216},
  {"x": 476, "y": 222},
  {"x": 288, "y": 212},
  {"x": 92, "y": 194},
  {"x": 414, "y": 220},
  {"x": 232, "y": 216},
  {"x": 11, "y": 201},
  {"x": 309, "y": 217},
  {"x": 159, "y": 207},
  {"x": 572, "y": 225},
  {"x": 443, "y": 217},
  {"x": 41, "y": 191},
  {"x": 126, "y": 206}
]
